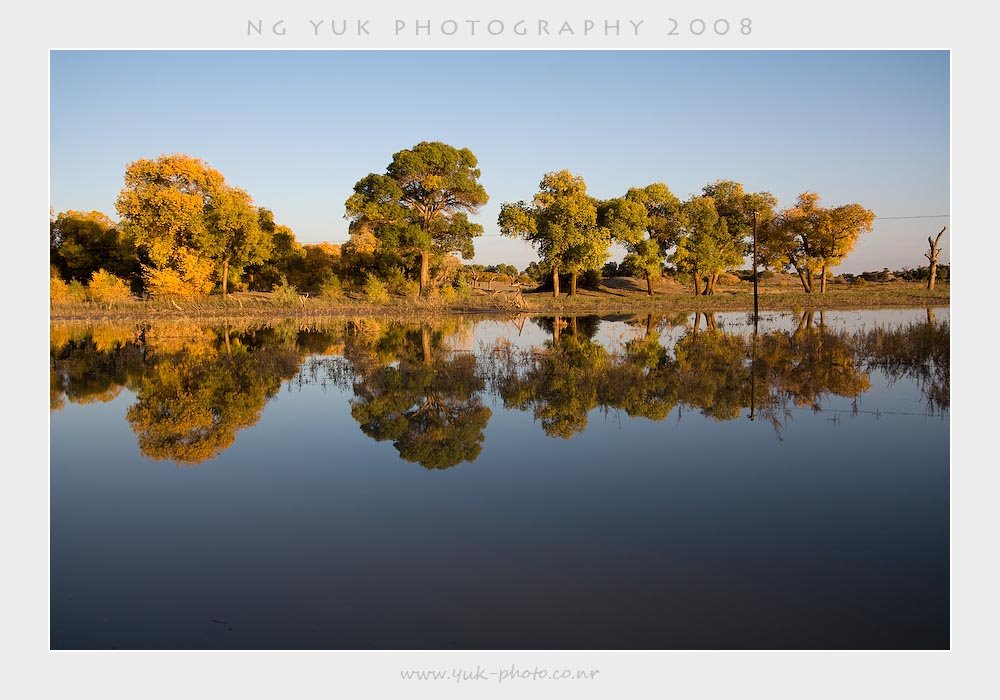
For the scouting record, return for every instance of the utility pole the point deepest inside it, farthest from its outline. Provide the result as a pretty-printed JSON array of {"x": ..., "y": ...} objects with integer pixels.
[{"x": 756, "y": 304}]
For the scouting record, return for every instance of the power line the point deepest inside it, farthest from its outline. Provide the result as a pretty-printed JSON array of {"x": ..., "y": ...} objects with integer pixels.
[
  {"x": 877, "y": 218},
  {"x": 923, "y": 216}
]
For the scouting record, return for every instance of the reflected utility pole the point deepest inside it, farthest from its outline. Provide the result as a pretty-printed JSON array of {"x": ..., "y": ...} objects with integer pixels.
[
  {"x": 756, "y": 317},
  {"x": 753, "y": 369}
]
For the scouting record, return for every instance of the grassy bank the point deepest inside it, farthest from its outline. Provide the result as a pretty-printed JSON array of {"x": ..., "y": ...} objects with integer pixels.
[{"x": 627, "y": 295}]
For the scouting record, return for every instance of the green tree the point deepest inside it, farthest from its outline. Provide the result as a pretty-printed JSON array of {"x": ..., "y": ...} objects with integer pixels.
[
  {"x": 286, "y": 253},
  {"x": 646, "y": 222},
  {"x": 232, "y": 237},
  {"x": 741, "y": 210},
  {"x": 561, "y": 223},
  {"x": 81, "y": 243},
  {"x": 421, "y": 204},
  {"x": 705, "y": 247}
]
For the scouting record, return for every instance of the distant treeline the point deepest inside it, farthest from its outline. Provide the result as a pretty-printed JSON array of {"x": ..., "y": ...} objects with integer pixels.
[{"x": 185, "y": 232}]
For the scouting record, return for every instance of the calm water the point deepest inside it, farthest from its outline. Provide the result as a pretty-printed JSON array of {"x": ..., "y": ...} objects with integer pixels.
[{"x": 592, "y": 483}]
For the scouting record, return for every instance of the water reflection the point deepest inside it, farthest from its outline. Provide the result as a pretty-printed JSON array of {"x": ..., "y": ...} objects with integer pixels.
[{"x": 424, "y": 386}]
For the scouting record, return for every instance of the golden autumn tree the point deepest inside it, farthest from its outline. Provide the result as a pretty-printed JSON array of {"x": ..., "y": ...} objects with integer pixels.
[
  {"x": 189, "y": 223},
  {"x": 811, "y": 239}
]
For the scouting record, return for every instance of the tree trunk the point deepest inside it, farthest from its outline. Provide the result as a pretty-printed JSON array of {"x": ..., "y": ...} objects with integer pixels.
[
  {"x": 572, "y": 283},
  {"x": 649, "y": 284},
  {"x": 822, "y": 281},
  {"x": 697, "y": 282},
  {"x": 555, "y": 281},
  {"x": 425, "y": 343},
  {"x": 930, "y": 316},
  {"x": 572, "y": 325},
  {"x": 425, "y": 265},
  {"x": 804, "y": 279},
  {"x": 556, "y": 323},
  {"x": 225, "y": 278},
  {"x": 932, "y": 257}
]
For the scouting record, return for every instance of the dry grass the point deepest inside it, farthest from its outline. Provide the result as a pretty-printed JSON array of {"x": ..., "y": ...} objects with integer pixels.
[{"x": 618, "y": 294}]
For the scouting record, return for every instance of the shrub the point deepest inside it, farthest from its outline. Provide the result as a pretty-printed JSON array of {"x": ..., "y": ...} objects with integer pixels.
[
  {"x": 395, "y": 281},
  {"x": 729, "y": 278},
  {"x": 448, "y": 294},
  {"x": 375, "y": 290},
  {"x": 58, "y": 290},
  {"x": 285, "y": 294},
  {"x": 410, "y": 289},
  {"x": 107, "y": 288},
  {"x": 331, "y": 288},
  {"x": 463, "y": 288},
  {"x": 189, "y": 278},
  {"x": 590, "y": 279}
]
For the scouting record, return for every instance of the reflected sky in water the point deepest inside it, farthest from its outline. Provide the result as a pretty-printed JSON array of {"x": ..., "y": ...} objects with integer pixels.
[{"x": 526, "y": 483}]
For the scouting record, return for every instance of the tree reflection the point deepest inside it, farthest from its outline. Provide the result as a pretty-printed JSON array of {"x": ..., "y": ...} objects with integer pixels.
[
  {"x": 918, "y": 351},
  {"x": 428, "y": 402},
  {"x": 422, "y": 385},
  {"x": 560, "y": 383},
  {"x": 195, "y": 386}
]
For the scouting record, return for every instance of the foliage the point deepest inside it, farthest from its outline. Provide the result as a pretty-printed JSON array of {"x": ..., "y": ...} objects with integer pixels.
[
  {"x": 106, "y": 288},
  {"x": 375, "y": 290},
  {"x": 285, "y": 294},
  {"x": 61, "y": 292},
  {"x": 561, "y": 223},
  {"x": 187, "y": 277},
  {"x": 81, "y": 243},
  {"x": 181, "y": 213},
  {"x": 419, "y": 207},
  {"x": 646, "y": 222},
  {"x": 232, "y": 236},
  {"x": 705, "y": 246},
  {"x": 810, "y": 238},
  {"x": 331, "y": 288}
]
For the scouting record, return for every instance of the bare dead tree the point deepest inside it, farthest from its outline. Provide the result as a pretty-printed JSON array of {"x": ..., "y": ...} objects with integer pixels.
[{"x": 932, "y": 256}]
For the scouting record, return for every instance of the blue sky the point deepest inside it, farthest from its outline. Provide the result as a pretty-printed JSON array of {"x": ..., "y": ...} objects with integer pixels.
[{"x": 298, "y": 129}]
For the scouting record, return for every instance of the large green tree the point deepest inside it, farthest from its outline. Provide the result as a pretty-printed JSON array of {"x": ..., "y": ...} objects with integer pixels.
[
  {"x": 421, "y": 204},
  {"x": 233, "y": 237},
  {"x": 646, "y": 222},
  {"x": 705, "y": 248},
  {"x": 561, "y": 223}
]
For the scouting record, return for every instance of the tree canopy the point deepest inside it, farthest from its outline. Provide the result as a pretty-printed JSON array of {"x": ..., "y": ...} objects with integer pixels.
[
  {"x": 421, "y": 204},
  {"x": 810, "y": 238},
  {"x": 561, "y": 223}
]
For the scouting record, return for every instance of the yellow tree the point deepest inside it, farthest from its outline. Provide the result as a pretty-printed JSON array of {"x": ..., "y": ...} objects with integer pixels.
[
  {"x": 189, "y": 223},
  {"x": 811, "y": 239}
]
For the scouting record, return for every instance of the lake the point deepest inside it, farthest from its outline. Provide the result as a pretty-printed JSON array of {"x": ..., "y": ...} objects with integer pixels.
[{"x": 680, "y": 481}]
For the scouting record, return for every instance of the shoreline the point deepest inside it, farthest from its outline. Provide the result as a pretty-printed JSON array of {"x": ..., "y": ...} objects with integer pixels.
[{"x": 587, "y": 302}]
